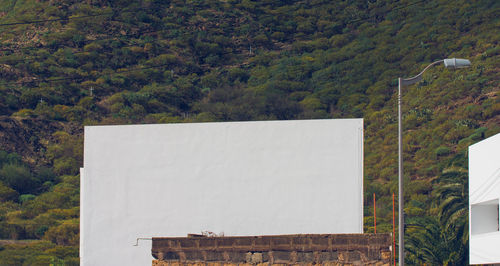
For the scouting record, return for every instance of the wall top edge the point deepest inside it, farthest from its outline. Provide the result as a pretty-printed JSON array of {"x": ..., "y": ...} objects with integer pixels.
[
  {"x": 271, "y": 236},
  {"x": 234, "y": 122}
]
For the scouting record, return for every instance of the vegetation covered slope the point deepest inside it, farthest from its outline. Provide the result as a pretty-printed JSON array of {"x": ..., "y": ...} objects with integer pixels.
[{"x": 66, "y": 64}]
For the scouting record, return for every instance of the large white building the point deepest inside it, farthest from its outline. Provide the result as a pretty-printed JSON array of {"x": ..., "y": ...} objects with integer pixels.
[
  {"x": 484, "y": 195},
  {"x": 236, "y": 178}
]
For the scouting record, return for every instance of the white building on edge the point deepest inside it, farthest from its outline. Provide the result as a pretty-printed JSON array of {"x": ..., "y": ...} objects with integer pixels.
[
  {"x": 484, "y": 195},
  {"x": 239, "y": 178}
]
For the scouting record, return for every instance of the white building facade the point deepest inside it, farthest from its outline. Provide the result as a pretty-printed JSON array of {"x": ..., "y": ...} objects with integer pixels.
[
  {"x": 236, "y": 178},
  {"x": 484, "y": 195}
]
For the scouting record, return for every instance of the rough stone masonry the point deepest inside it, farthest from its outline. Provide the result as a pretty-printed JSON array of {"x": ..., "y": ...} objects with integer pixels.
[{"x": 322, "y": 249}]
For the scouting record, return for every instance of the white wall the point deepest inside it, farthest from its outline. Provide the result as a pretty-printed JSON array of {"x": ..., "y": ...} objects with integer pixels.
[
  {"x": 484, "y": 190},
  {"x": 240, "y": 178}
]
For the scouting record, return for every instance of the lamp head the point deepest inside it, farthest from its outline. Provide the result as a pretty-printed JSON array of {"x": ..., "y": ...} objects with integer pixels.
[{"x": 456, "y": 63}]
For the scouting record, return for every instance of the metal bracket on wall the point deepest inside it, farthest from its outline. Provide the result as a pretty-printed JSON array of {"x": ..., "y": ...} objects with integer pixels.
[{"x": 141, "y": 238}]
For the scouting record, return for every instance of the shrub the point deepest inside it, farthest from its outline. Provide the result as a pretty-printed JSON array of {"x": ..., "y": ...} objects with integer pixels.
[
  {"x": 492, "y": 111},
  {"x": 26, "y": 197},
  {"x": 311, "y": 103},
  {"x": 66, "y": 165},
  {"x": 64, "y": 234},
  {"x": 279, "y": 36},
  {"x": 24, "y": 113},
  {"x": 7, "y": 193},
  {"x": 238, "y": 74},
  {"x": 12, "y": 158},
  {"x": 261, "y": 39},
  {"x": 442, "y": 151},
  {"x": 40, "y": 231},
  {"x": 18, "y": 177}
]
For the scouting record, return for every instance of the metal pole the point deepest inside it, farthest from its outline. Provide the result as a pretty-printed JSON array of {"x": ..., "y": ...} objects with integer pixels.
[
  {"x": 393, "y": 231},
  {"x": 374, "y": 213},
  {"x": 449, "y": 63},
  {"x": 401, "y": 225}
]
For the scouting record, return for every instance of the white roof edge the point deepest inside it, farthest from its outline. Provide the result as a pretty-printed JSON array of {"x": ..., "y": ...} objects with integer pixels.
[{"x": 218, "y": 122}]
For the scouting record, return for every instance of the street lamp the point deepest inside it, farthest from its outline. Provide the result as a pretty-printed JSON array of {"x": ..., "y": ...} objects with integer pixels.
[{"x": 448, "y": 63}]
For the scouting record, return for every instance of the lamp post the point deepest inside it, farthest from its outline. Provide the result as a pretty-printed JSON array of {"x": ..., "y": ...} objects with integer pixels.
[{"x": 448, "y": 63}]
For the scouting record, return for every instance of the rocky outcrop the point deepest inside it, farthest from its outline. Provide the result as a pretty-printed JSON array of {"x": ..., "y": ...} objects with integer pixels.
[{"x": 29, "y": 137}]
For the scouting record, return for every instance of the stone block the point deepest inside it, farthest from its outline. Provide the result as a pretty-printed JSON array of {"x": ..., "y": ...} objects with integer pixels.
[
  {"x": 326, "y": 256},
  {"x": 266, "y": 257},
  {"x": 320, "y": 241},
  {"x": 194, "y": 256},
  {"x": 169, "y": 256},
  {"x": 342, "y": 256},
  {"x": 305, "y": 257},
  {"x": 236, "y": 257},
  {"x": 187, "y": 243},
  {"x": 256, "y": 258},
  {"x": 214, "y": 256},
  {"x": 247, "y": 241},
  {"x": 354, "y": 255},
  {"x": 385, "y": 255},
  {"x": 248, "y": 257},
  {"x": 293, "y": 257},
  {"x": 262, "y": 242},
  {"x": 207, "y": 243},
  {"x": 301, "y": 241},
  {"x": 281, "y": 256},
  {"x": 339, "y": 240},
  {"x": 280, "y": 241},
  {"x": 225, "y": 242}
]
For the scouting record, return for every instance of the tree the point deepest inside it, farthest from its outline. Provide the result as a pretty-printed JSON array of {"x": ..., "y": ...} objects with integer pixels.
[
  {"x": 18, "y": 177},
  {"x": 443, "y": 239},
  {"x": 7, "y": 193},
  {"x": 66, "y": 153},
  {"x": 453, "y": 197},
  {"x": 430, "y": 242}
]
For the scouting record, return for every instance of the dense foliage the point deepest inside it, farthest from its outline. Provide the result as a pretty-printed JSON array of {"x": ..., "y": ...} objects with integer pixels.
[{"x": 118, "y": 62}]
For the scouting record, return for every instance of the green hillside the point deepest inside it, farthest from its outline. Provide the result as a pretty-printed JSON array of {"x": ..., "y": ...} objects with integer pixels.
[{"x": 66, "y": 64}]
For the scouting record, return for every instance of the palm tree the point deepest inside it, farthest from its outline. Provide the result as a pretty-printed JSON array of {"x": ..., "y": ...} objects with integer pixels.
[
  {"x": 429, "y": 242},
  {"x": 443, "y": 239},
  {"x": 453, "y": 198}
]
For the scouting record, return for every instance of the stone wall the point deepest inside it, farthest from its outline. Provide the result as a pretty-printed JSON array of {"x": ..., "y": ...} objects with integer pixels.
[{"x": 327, "y": 249}]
